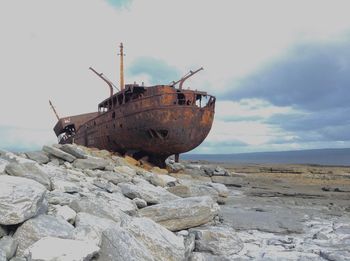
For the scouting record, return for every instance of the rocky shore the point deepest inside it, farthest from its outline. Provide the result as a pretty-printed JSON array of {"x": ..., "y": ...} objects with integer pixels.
[{"x": 68, "y": 203}]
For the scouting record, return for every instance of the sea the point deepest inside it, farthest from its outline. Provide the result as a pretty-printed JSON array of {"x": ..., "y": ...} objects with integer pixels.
[{"x": 327, "y": 157}]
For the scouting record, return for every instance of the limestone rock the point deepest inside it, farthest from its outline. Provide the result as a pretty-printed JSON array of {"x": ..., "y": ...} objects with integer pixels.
[
  {"x": 59, "y": 153},
  {"x": 74, "y": 150},
  {"x": 200, "y": 256},
  {"x": 57, "y": 197},
  {"x": 20, "y": 199},
  {"x": 99, "y": 207},
  {"x": 125, "y": 170},
  {"x": 30, "y": 171},
  {"x": 163, "y": 244},
  {"x": 98, "y": 223},
  {"x": 116, "y": 177},
  {"x": 58, "y": 249},
  {"x": 38, "y": 156},
  {"x": 9, "y": 246},
  {"x": 221, "y": 241},
  {"x": 88, "y": 233},
  {"x": 2, "y": 256},
  {"x": 65, "y": 186},
  {"x": 90, "y": 163},
  {"x": 182, "y": 213},
  {"x": 220, "y": 188},
  {"x": 119, "y": 244},
  {"x": 214, "y": 170},
  {"x": 147, "y": 192},
  {"x": 117, "y": 200},
  {"x": 3, "y": 232},
  {"x": 162, "y": 180},
  {"x": 194, "y": 190},
  {"x": 140, "y": 203},
  {"x": 3, "y": 164},
  {"x": 234, "y": 181},
  {"x": 64, "y": 212},
  {"x": 42, "y": 226}
]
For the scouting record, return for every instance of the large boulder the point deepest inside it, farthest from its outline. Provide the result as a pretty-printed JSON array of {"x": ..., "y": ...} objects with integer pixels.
[
  {"x": 100, "y": 207},
  {"x": 100, "y": 224},
  {"x": 119, "y": 201},
  {"x": 163, "y": 244},
  {"x": 90, "y": 163},
  {"x": 115, "y": 177},
  {"x": 147, "y": 192},
  {"x": 119, "y": 244},
  {"x": 20, "y": 199},
  {"x": 58, "y": 249},
  {"x": 74, "y": 150},
  {"x": 42, "y": 226},
  {"x": 38, "y": 156},
  {"x": 57, "y": 197},
  {"x": 30, "y": 171},
  {"x": 220, "y": 241},
  {"x": 59, "y": 153},
  {"x": 182, "y": 213},
  {"x": 9, "y": 246},
  {"x": 162, "y": 180}
]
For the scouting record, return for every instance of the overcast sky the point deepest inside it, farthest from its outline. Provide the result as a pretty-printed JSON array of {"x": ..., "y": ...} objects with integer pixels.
[{"x": 280, "y": 69}]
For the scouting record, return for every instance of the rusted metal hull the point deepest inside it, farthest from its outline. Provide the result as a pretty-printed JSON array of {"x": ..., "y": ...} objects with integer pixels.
[{"x": 162, "y": 121}]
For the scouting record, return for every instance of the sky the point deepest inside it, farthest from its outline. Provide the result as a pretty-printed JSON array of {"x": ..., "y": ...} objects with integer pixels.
[{"x": 279, "y": 69}]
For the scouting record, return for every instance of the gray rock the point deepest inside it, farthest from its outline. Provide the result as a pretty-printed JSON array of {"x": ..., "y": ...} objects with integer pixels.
[
  {"x": 221, "y": 241},
  {"x": 2, "y": 256},
  {"x": 220, "y": 188},
  {"x": 11, "y": 157},
  {"x": 147, "y": 192},
  {"x": 9, "y": 246},
  {"x": 182, "y": 213},
  {"x": 64, "y": 212},
  {"x": 199, "y": 256},
  {"x": 125, "y": 170},
  {"x": 59, "y": 153},
  {"x": 173, "y": 166},
  {"x": 190, "y": 244},
  {"x": 3, "y": 164},
  {"x": 98, "y": 223},
  {"x": 57, "y": 197},
  {"x": 194, "y": 190},
  {"x": 88, "y": 233},
  {"x": 61, "y": 250},
  {"x": 18, "y": 259},
  {"x": 99, "y": 207},
  {"x": 29, "y": 171},
  {"x": 38, "y": 156},
  {"x": 90, "y": 163},
  {"x": 234, "y": 181},
  {"x": 42, "y": 226},
  {"x": 117, "y": 200},
  {"x": 74, "y": 150},
  {"x": 163, "y": 244},
  {"x": 65, "y": 186},
  {"x": 210, "y": 170},
  {"x": 20, "y": 199},
  {"x": 162, "y": 180},
  {"x": 119, "y": 244},
  {"x": 115, "y": 177},
  {"x": 336, "y": 255},
  {"x": 140, "y": 203}
]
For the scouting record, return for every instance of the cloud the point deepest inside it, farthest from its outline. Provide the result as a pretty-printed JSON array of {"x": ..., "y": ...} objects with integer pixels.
[
  {"x": 313, "y": 80},
  {"x": 158, "y": 71}
]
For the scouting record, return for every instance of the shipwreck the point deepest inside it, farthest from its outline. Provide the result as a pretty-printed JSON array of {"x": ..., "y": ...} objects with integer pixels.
[{"x": 155, "y": 121}]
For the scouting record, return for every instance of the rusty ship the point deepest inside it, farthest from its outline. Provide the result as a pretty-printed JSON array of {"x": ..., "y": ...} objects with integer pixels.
[{"x": 155, "y": 121}]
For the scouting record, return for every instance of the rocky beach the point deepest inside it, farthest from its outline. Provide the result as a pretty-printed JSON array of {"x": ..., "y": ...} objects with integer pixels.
[{"x": 70, "y": 203}]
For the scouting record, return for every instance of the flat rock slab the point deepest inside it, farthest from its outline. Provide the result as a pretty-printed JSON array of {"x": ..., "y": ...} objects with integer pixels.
[
  {"x": 221, "y": 241},
  {"x": 74, "y": 150},
  {"x": 229, "y": 180},
  {"x": 194, "y": 190},
  {"x": 59, "y": 153},
  {"x": 38, "y": 156},
  {"x": 100, "y": 207},
  {"x": 30, "y": 171},
  {"x": 90, "y": 163},
  {"x": 58, "y": 249},
  {"x": 119, "y": 244},
  {"x": 151, "y": 194},
  {"x": 20, "y": 199},
  {"x": 162, "y": 243},
  {"x": 42, "y": 226},
  {"x": 182, "y": 213}
]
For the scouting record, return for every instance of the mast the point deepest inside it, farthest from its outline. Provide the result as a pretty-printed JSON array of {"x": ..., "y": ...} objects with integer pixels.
[
  {"x": 121, "y": 66},
  {"x": 54, "y": 110}
]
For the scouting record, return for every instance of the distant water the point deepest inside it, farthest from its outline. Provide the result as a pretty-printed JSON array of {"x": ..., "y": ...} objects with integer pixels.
[{"x": 336, "y": 157}]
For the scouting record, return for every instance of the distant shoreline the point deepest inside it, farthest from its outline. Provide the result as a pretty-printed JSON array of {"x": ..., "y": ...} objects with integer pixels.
[{"x": 323, "y": 157}]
